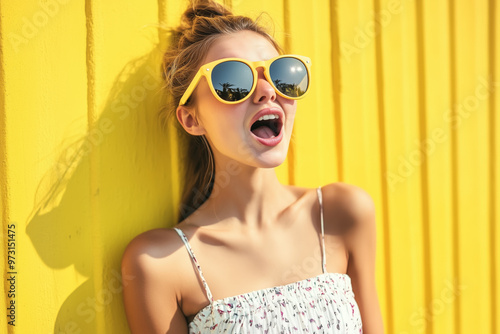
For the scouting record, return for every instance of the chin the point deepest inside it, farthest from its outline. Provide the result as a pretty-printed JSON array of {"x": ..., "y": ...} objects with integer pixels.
[{"x": 270, "y": 159}]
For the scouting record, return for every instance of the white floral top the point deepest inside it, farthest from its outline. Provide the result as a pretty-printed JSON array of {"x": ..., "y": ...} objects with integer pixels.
[{"x": 321, "y": 304}]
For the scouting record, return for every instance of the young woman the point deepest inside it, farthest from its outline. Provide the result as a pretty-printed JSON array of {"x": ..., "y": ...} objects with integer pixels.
[{"x": 249, "y": 254}]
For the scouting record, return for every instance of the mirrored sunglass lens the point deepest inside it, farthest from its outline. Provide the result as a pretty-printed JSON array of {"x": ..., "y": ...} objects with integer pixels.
[
  {"x": 232, "y": 80},
  {"x": 290, "y": 77}
]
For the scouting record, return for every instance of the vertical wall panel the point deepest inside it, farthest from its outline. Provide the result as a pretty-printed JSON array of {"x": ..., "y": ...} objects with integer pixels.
[
  {"x": 45, "y": 109},
  {"x": 124, "y": 91},
  {"x": 402, "y": 128},
  {"x": 357, "y": 123},
  {"x": 472, "y": 162},
  {"x": 404, "y": 103},
  {"x": 436, "y": 146},
  {"x": 494, "y": 47},
  {"x": 4, "y": 182}
]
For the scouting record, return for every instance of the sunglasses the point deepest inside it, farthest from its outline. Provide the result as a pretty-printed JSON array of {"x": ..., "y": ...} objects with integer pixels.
[{"x": 233, "y": 80}]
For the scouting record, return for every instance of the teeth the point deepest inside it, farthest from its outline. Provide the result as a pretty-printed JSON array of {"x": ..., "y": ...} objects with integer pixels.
[{"x": 266, "y": 117}]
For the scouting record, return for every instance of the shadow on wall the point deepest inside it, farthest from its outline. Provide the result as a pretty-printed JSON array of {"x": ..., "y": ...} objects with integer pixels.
[{"x": 116, "y": 182}]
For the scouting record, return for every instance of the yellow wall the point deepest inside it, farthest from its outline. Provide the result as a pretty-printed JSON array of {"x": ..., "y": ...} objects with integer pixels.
[{"x": 405, "y": 104}]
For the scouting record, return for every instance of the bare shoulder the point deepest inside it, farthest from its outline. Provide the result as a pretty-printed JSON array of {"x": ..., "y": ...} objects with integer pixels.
[
  {"x": 349, "y": 200},
  {"x": 150, "y": 247},
  {"x": 350, "y": 209},
  {"x": 153, "y": 267}
]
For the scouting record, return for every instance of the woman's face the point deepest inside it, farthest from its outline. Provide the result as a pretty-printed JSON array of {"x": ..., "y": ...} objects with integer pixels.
[{"x": 228, "y": 128}]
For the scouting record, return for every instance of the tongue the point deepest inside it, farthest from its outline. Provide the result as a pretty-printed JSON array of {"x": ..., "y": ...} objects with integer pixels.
[{"x": 263, "y": 132}]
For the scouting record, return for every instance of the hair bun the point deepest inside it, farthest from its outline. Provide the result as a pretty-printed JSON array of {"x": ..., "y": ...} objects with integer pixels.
[{"x": 204, "y": 8}]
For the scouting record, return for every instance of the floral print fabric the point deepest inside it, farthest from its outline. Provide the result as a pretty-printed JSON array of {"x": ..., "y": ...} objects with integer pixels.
[{"x": 323, "y": 304}]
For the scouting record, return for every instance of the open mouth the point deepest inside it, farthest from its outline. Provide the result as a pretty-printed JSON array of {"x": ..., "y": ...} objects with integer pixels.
[{"x": 267, "y": 126}]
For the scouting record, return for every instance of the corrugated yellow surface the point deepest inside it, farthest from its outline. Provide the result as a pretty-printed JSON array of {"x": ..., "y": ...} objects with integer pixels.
[{"x": 405, "y": 104}]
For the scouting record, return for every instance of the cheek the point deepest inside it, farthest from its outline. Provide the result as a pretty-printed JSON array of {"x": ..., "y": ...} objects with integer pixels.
[
  {"x": 289, "y": 107},
  {"x": 220, "y": 121}
]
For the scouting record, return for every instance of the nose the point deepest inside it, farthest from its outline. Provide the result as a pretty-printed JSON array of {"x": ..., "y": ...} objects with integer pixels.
[{"x": 264, "y": 91}]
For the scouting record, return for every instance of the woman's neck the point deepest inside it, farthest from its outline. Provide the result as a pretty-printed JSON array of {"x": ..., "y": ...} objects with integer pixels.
[{"x": 246, "y": 195}]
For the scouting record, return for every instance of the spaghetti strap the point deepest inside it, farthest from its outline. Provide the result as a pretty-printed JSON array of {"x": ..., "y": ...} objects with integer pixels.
[
  {"x": 320, "y": 199},
  {"x": 191, "y": 254}
]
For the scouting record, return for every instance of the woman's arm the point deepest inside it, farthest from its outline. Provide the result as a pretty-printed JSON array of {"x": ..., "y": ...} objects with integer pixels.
[
  {"x": 149, "y": 295},
  {"x": 356, "y": 209}
]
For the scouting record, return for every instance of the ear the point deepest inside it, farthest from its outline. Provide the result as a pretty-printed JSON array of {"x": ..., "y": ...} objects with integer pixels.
[{"x": 189, "y": 121}]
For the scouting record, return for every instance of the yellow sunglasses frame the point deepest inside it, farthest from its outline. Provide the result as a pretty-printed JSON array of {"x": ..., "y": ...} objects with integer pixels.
[{"x": 206, "y": 71}]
